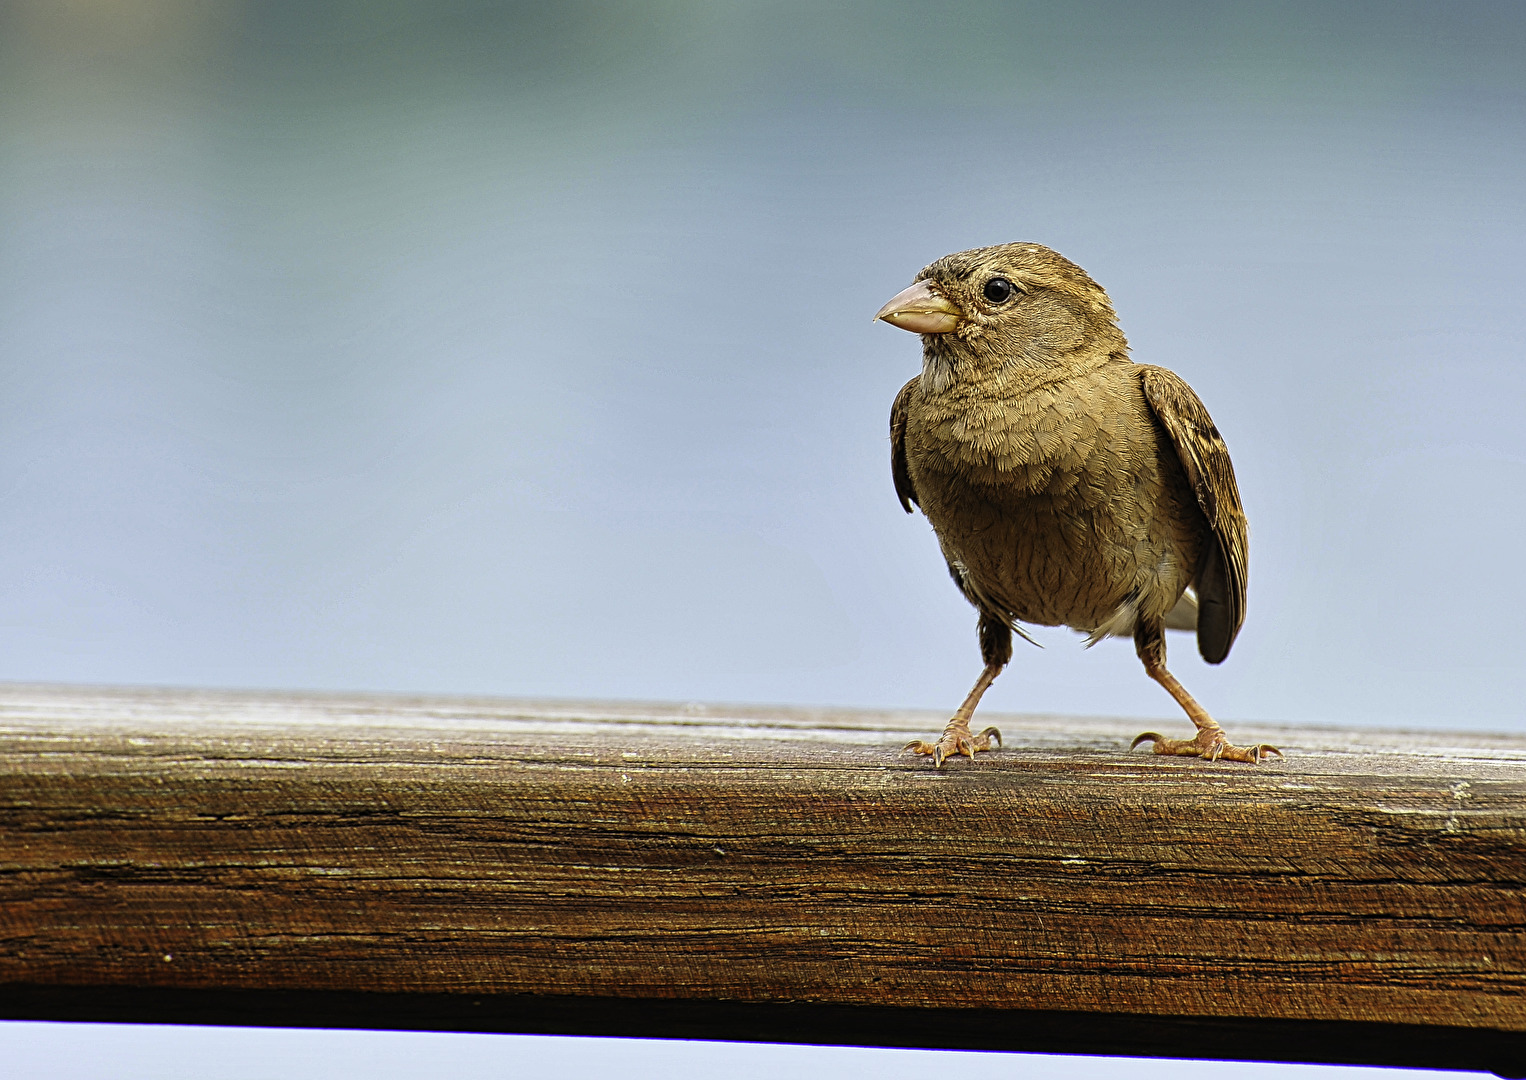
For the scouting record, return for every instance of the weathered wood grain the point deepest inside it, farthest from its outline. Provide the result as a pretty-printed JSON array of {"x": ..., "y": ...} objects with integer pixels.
[{"x": 433, "y": 850}]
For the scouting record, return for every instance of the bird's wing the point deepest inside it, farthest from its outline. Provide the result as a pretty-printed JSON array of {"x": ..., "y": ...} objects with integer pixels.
[
  {"x": 1205, "y": 459},
  {"x": 898, "y": 471}
]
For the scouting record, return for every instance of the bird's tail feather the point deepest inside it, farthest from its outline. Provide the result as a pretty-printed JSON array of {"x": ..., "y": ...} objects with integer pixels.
[{"x": 1121, "y": 623}]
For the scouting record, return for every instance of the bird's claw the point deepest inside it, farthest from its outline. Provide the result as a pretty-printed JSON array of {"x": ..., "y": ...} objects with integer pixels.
[
  {"x": 956, "y": 739},
  {"x": 1210, "y": 743}
]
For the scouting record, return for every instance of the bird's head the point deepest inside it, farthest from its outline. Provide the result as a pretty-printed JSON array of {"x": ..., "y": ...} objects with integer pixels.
[{"x": 1011, "y": 306}]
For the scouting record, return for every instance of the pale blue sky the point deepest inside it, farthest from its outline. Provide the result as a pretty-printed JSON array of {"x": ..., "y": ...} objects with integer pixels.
[
  {"x": 468, "y": 348},
  {"x": 527, "y": 350}
]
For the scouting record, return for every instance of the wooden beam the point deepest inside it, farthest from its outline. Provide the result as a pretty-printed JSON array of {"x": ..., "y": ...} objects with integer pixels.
[{"x": 706, "y": 871}]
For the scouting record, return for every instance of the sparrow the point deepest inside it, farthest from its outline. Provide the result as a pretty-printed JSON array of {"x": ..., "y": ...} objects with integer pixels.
[{"x": 1067, "y": 485}]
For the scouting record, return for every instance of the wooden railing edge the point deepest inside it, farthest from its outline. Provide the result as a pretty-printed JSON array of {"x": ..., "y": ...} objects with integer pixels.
[{"x": 755, "y": 875}]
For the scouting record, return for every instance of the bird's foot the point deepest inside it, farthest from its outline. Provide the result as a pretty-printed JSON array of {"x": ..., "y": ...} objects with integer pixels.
[
  {"x": 1210, "y": 743},
  {"x": 956, "y": 739}
]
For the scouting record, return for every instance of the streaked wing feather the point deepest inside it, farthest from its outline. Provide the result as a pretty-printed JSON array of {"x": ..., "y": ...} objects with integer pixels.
[
  {"x": 1221, "y": 581},
  {"x": 898, "y": 470}
]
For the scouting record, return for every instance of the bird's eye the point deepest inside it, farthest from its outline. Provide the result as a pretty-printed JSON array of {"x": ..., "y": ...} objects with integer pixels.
[{"x": 999, "y": 290}]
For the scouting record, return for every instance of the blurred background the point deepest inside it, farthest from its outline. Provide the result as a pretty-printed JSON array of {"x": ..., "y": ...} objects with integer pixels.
[{"x": 526, "y": 349}]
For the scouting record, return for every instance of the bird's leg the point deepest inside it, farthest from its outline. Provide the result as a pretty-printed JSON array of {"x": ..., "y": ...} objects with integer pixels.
[
  {"x": 996, "y": 650},
  {"x": 1211, "y": 742},
  {"x": 957, "y": 738}
]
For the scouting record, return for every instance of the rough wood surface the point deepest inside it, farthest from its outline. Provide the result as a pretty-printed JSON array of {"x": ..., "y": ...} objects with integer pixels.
[{"x": 175, "y": 841}]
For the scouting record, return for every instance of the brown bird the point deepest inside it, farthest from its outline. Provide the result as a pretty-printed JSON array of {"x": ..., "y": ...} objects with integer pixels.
[{"x": 1068, "y": 485}]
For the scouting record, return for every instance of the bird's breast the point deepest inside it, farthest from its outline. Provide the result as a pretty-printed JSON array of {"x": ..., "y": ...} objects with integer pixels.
[{"x": 1058, "y": 502}]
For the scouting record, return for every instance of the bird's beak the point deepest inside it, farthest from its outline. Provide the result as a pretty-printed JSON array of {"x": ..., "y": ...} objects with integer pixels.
[{"x": 921, "y": 310}]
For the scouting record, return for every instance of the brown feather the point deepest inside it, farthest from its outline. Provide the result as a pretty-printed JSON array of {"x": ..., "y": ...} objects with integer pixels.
[
  {"x": 1221, "y": 578},
  {"x": 898, "y": 471}
]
